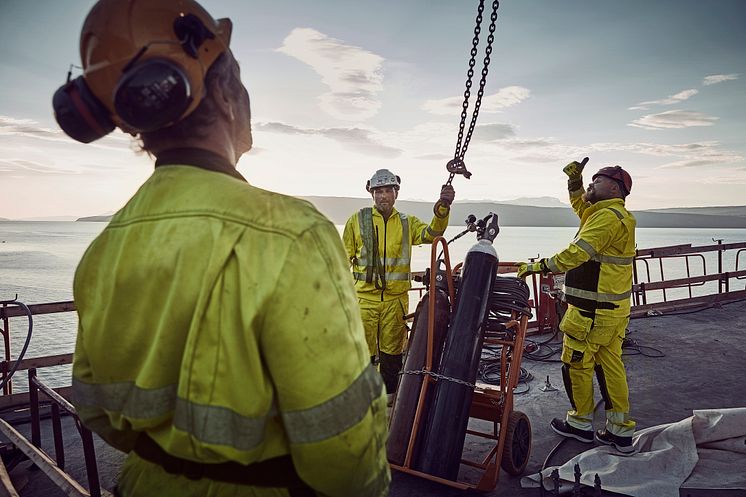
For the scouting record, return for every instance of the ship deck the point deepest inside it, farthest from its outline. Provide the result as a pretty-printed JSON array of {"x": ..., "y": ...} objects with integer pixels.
[{"x": 702, "y": 367}]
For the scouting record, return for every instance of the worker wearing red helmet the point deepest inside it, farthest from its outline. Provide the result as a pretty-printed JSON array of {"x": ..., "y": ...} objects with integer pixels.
[
  {"x": 598, "y": 284},
  {"x": 219, "y": 343}
]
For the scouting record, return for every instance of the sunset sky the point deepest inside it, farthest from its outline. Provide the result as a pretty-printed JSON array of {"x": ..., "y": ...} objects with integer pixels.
[{"x": 340, "y": 88}]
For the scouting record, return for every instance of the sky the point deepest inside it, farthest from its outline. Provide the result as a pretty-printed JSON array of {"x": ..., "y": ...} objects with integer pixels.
[{"x": 340, "y": 89}]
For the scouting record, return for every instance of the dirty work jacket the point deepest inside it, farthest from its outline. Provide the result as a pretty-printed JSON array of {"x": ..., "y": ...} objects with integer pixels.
[
  {"x": 381, "y": 251},
  {"x": 220, "y": 319},
  {"x": 598, "y": 264}
]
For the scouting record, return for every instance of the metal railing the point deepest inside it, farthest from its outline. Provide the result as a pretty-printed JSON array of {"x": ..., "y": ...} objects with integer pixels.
[{"x": 59, "y": 405}]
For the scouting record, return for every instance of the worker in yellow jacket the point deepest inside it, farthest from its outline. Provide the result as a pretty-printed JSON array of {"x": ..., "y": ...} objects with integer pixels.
[
  {"x": 219, "y": 340},
  {"x": 379, "y": 244},
  {"x": 598, "y": 285}
]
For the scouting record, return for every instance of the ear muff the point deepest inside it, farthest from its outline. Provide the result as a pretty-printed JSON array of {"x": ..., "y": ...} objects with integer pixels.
[
  {"x": 151, "y": 95},
  {"x": 79, "y": 113}
]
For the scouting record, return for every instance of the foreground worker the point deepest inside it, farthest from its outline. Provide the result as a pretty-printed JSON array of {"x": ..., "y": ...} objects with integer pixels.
[
  {"x": 379, "y": 245},
  {"x": 219, "y": 341},
  {"x": 598, "y": 285}
]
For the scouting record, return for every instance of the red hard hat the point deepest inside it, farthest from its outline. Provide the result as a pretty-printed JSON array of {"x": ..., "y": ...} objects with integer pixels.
[{"x": 619, "y": 175}]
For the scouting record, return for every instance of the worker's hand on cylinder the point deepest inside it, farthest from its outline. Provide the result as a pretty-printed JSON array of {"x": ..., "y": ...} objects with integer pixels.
[
  {"x": 574, "y": 169},
  {"x": 527, "y": 268},
  {"x": 447, "y": 194}
]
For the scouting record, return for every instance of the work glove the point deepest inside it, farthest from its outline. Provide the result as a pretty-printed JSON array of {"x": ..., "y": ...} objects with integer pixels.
[
  {"x": 527, "y": 268},
  {"x": 447, "y": 194},
  {"x": 574, "y": 172}
]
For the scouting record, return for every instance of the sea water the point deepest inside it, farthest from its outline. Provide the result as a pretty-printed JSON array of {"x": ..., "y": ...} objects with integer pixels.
[{"x": 38, "y": 260}]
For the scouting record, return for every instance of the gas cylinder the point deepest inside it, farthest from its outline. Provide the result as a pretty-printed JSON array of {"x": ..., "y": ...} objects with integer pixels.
[
  {"x": 410, "y": 385},
  {"x": 449, "y": 412}
]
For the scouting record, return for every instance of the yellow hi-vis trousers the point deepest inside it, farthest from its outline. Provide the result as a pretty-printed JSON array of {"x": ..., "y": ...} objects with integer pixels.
[
  {"x": 385, "y": 329},
  {"x": 601, "y": 352}
]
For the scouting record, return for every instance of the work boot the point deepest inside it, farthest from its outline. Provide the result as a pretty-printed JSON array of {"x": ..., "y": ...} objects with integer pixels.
[
  {"x": 561, "y": 427},
  {"x": 389, "y": 399},
  {"x": 622, "y": 444}
]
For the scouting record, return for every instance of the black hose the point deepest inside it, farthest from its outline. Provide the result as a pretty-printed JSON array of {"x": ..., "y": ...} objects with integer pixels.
[{"x": 28, "y": 338}]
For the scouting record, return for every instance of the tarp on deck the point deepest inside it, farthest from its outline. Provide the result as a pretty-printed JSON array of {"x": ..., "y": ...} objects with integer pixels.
[{"x": 705, "y": 451}]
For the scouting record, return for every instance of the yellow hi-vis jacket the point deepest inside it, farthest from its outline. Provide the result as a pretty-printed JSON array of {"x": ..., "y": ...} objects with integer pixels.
[
  {"x": 598, "y": 266},
  {"x": 381, "y": 251},
  {"x": 220, "y": 319}
]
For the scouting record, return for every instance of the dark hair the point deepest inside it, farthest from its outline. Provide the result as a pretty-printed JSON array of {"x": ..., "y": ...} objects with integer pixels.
[{"x": 194, "y": 125}]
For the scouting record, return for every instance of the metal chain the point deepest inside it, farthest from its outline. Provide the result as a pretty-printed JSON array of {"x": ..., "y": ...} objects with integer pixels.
[
  {"x": 456, "y": 165},
  {"x": 440, "y": 377}
]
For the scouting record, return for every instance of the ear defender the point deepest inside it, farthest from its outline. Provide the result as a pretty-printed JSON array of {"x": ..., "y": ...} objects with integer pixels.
[
  {"x": 154, "y": 90},
  {"x": 79, "y": 113},
  {"x": 153, "y": 94}
]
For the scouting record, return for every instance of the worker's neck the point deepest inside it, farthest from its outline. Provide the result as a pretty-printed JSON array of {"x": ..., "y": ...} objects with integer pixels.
[{"x": 217, "y": 139}]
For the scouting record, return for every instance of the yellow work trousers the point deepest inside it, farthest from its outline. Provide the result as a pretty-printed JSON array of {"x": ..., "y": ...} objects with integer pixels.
[
  {"x": 601, "y": 351},
  {"x": 385, "y": 329}
]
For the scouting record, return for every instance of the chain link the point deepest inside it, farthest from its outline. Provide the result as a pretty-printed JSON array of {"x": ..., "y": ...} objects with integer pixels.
[
  {"x": 457, "y": 165},
  {"x": 439, "y": 377}
]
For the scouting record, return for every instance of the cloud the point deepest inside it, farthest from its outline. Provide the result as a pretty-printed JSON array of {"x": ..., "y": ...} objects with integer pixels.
[
  {"x": 352, "y": 74},
  {"x": 21, "y": 167},
  {"x": 670, "y": 100},
  {"x": 356, "y": 139},
  {"x": 493, "y": 131},
  {"x": 718, "y": 78},
  {"x": 434, "y": 157},
  {"x": 505, "y": 97},
  {"x": 28, "y": 128},
  {"x": 674, "y": 119}
]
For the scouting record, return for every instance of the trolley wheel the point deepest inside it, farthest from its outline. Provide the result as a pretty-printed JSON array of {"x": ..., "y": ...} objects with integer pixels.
[{"x": 517, "y": 446}]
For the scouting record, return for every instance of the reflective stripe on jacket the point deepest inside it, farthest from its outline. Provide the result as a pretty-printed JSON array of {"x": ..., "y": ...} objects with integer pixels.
[
  {"x": 381, "y": 251},
  {"x": 220, "y": 319},
  {"x": 599, "y": 261}
]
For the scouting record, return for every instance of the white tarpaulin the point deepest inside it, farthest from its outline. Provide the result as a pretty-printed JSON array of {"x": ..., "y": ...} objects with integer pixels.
[{"x": 706, "y": 450}]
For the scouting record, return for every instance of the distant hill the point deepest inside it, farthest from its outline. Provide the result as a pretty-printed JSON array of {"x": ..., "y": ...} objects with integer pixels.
[
  {"x": 49, "y": 218},
  {"x": 95, "y": 219},
  {"x": 736, "y": 210},
  {"x": 339, "y": 209},
  {"x": 537, "y": 202},
  {"x": 4, "y": 219}
]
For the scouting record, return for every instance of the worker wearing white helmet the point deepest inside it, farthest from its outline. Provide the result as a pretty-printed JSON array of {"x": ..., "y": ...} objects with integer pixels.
[{"x": 379, "y": 244}]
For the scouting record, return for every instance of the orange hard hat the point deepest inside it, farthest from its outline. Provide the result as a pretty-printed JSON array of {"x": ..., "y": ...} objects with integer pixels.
[
  {"x": 619, "y": 175},
  {"x": 120, "y": 34}
]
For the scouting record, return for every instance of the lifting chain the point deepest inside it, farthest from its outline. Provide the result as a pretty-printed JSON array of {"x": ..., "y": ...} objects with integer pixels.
[
  {"x": 456, "y": 165},
  {"x": 440, "y": 377}
]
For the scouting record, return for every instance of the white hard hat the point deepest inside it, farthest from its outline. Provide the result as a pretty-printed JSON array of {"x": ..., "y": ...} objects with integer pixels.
[{"x": 383, "y": 177}]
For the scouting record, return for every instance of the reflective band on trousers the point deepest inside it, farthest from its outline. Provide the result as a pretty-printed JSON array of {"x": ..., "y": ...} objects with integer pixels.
[
  {"x": 598, "y": 297},
  {"x": 607, "y": 259},
  {"x": 222, "y": 426}
]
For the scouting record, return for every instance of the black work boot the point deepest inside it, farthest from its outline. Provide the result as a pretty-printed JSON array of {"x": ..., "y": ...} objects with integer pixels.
[
  {"x": 390, "y": 367},
  {"x": 561, "y": 427},
  {"x": 622, "y": 444}
]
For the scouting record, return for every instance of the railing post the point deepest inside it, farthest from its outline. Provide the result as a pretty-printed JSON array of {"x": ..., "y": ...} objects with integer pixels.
[
  {"x": 59, "y": 447},
  {"x": 33, "y": 392},
  {"x": 7, "y": 388},
  {"x": 89, "y": 453}
]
